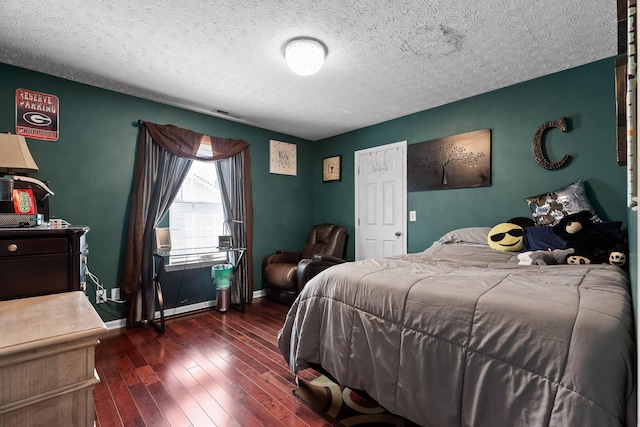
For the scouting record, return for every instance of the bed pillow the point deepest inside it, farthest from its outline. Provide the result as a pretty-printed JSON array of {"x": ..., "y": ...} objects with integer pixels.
[
  {"x": 542, "y": 239},
  {"x": 549, "y": 208},
  {"x": 473, "y": 235}
]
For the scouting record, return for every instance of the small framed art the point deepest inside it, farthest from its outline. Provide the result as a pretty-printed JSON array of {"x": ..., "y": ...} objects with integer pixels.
[
  {"x": 331, "y": 169},
  {"x": 282, "y": 158}
]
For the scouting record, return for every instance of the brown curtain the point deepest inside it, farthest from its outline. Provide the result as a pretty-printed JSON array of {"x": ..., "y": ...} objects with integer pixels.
[{"x": 187, "y": 144}]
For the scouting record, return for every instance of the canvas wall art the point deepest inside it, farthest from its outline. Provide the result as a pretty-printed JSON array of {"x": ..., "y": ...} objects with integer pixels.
[
  {"x": 282, "y": 158},
  {"x": 456, "y": 161}
]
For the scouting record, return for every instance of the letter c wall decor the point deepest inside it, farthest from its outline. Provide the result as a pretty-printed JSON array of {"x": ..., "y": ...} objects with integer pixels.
[{"x": 536, "y": 147}]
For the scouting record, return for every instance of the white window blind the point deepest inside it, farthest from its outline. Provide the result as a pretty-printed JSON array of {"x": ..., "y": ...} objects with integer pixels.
[{"x": 196, "y": 217}]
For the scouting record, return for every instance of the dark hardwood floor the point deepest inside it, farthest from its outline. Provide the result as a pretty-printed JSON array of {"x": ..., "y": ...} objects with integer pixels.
[{"x": 207, "y": 369}]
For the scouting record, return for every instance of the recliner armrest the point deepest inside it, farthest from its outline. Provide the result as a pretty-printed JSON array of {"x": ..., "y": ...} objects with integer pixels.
[
  {"x": 291, "y": 257},
  {"x": 328, "y": 259},
  {"x": 308, "y": 268}
]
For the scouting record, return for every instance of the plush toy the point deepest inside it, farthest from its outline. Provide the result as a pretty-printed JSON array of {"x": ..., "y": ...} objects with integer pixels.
[
  {"x": 602, "y": 243},
  {"x": 573, "y": 224},
  {"x": 533, "y": 238},
  {"x": 556, "y": 256},
  {"x": 521, "y": 234},
  {"x": 599, "y": 246},
  {"x": 506, "y": 237}
]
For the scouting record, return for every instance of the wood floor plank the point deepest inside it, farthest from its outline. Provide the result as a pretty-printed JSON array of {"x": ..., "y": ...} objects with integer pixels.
[
  {"x": 127, "y": 408},
  {"x": 207, "y": 369},
  {"x": 128, "y": 372},
  {"x": 105, "y": 406},
  {"x": 132, "y": 352},
  {"x": 214, "y": 410},
  {"x": 171, "y": 411},
  {"x": 256, "y": 386},
  {"x": 151, "y": 414},
  {"x": 194, "y": 411},
  {"x": 181, "y": 396}
]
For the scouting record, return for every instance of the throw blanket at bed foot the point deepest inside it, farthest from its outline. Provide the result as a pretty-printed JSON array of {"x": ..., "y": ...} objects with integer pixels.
[{"x": 461, "y": 335}]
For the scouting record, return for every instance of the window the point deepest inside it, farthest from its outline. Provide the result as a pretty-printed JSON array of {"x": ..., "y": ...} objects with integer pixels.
[{"x": 196, "y": 217}]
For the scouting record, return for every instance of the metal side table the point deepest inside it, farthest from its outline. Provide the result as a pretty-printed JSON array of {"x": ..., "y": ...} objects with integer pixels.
[{"x": 232, "y": 256}]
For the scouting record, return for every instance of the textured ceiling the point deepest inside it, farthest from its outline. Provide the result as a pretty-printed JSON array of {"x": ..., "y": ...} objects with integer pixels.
[{"x": 387, "y": 58}]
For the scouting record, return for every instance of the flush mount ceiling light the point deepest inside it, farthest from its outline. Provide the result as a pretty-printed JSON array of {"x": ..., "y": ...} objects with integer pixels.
[{"x": 305, "y": 55}]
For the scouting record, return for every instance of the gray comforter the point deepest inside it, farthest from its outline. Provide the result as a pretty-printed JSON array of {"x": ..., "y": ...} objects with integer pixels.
[{"x": 461, "y": 335}]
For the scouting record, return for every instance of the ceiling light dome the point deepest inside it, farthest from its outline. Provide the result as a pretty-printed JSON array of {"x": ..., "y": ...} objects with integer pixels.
[{"x": 305, "y": 55}]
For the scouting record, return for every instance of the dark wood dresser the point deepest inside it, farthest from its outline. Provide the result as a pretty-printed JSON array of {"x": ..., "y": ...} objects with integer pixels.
[{"x": 41, "y": 260}]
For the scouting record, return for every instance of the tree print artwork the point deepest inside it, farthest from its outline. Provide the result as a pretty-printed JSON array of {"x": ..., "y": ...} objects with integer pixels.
[
  {"x": 450, "y": 154},
  {"x": 456, "y": 161}
]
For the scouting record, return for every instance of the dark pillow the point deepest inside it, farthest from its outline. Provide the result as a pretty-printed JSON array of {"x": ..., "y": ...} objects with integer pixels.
[
  {"x": 549, "y": 208},
  {"x": 542, "y": 239}
]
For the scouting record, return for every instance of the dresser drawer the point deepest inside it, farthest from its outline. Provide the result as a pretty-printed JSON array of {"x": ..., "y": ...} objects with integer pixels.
[
  {"x": 40, "y": 261},
  {"x": 21, "y": 247},
  {"x": 25, "y": 276}
]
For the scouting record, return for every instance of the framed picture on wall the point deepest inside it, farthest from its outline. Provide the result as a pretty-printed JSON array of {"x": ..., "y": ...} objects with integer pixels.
[
  {"x": 282, "y": 158},
  {"x": 456, "y": 161},
  {"x": 331, "y": 169}
]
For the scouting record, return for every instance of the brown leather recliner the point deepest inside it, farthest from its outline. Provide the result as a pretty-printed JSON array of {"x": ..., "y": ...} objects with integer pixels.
[{"x": 285, "y": 273}]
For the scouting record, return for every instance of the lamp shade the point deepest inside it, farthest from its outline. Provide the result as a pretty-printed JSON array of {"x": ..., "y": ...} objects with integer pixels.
[
  {"x": 14, "y": 155},
  {"x": 304, "y": 55}
]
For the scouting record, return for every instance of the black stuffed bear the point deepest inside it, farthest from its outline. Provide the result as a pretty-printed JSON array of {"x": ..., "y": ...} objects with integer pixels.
[{"x": 601, "y": 243}]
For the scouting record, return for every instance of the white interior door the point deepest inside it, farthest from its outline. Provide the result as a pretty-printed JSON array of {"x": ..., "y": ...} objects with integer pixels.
[{"x": 381, "y": 201}]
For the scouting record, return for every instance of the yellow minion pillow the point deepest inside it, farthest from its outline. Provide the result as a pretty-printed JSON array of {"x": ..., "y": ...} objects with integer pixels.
[{"x": 506, "y": 237}]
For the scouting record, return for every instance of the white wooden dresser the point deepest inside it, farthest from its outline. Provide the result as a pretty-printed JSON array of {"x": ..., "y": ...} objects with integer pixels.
[{"x": 47, "y": 359}]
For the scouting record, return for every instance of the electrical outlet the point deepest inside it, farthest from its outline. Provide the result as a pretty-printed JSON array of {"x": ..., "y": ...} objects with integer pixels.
[
  {"x": 101, "y": 296},
  {"x": 115, "y": 294}
]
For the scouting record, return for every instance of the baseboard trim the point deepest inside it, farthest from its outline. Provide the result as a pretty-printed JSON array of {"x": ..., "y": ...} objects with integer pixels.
[{"x": 121, "y": 323}]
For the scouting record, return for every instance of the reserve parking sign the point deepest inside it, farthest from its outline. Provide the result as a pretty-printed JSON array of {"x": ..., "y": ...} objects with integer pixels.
[{"x": 37, "y": 115}]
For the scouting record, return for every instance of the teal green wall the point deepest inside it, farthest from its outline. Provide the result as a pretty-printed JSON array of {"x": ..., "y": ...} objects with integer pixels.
[
  {"x": 584, "y": 95},
  {"x": 90, "y": 167}
]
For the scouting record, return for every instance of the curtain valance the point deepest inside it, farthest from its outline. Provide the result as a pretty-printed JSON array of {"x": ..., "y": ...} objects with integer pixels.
[{"x": 193, "y": 145}]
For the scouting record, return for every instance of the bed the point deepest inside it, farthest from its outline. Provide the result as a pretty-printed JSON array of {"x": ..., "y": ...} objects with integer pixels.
[{"x": 462, "y": 335}]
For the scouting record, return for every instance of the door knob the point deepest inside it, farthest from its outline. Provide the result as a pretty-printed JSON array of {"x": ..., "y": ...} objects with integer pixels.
[{"x": 398, "y": 234}]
